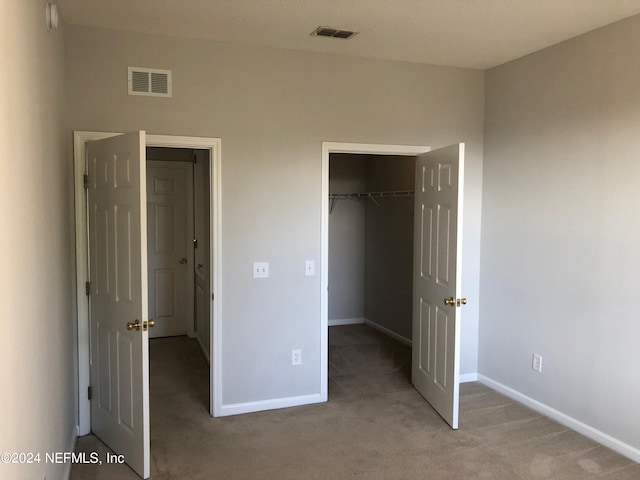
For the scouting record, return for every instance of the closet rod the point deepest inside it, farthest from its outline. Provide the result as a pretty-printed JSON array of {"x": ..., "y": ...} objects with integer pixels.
[
  {"x": 370, "y": 195},
  {"x": 391, "y": 193}
]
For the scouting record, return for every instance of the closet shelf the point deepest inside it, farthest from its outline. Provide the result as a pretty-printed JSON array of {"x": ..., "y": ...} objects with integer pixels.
[
  {"x": 391, "y": 193},
  {"x": 370, "y": 195}
]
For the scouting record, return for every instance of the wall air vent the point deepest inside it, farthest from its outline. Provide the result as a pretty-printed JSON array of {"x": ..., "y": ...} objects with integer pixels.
[
  {"x": 149, "y": 81},
  {"x": 333, "y": 33}
]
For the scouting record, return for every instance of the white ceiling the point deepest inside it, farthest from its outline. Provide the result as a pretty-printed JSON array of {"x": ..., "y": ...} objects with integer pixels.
[{"x": 464, "y": 33}]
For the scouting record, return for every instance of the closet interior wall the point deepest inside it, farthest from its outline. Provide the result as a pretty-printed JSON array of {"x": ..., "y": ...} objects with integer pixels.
[{"x": 371, "y": 243}]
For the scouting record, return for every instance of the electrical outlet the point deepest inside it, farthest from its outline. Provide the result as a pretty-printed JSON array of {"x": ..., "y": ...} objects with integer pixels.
[
  {"x": 310, "y": 268},
  {"x": 536, "y": 364},
  {"x": 261, "y": 270},
  {"x": 296, "y": 357}
]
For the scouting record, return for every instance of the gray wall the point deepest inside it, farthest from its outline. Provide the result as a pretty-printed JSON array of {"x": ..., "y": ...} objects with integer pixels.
[
  {"x": 273, "y": 109},
  {"x": 37, "y": 344},
  {"x": 347, "y": 174},
  {"x": 561, "y": 228},
  {"x": 389, "y": 245}
]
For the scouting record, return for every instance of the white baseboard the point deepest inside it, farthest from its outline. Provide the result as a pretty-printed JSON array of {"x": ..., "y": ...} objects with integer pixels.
[
  {"x": 345, "y": 321},
  {"x": 272, "y": 404},
  {"x": 72, "y": 448},
  {"x": 588, "y": 431},
  {"x": 468, "y": 377},
  {"x": 386, "y": 331}
]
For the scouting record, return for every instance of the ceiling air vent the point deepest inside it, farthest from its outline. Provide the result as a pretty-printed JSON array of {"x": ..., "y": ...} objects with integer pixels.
[
  {"x": 333, "y": 33},
  {"x": 149, "y": 81}
]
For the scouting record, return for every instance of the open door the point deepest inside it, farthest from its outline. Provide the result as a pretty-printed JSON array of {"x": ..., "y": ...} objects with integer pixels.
[
  {"x": 119, "y": 348},
  {"x": 436, "y": 279}
]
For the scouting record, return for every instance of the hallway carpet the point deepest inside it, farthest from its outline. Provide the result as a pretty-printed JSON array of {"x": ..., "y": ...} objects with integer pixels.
[{"x": 375, "y": 426}]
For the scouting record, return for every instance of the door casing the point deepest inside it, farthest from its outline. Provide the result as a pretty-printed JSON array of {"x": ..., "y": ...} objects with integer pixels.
[
  {"x": 213, "y": 145},
  {"x": 327, "y": 149}
]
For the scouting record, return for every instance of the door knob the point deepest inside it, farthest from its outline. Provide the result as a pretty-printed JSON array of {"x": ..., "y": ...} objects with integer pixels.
[
  {"x": 148, "y": 324},
  {"x": 132, "y": 325},
  {"x": 183, "y": 261},
  {"x": 452, "y": 301}
]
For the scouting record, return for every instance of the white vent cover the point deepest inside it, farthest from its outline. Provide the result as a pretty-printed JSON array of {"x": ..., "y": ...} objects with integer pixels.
[
  {"x": 333, "y": 33},
  {"x": 149, "y": 81}
]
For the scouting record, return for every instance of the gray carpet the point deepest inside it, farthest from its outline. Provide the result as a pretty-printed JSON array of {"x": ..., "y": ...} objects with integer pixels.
[{"x": 375, "y": 426}]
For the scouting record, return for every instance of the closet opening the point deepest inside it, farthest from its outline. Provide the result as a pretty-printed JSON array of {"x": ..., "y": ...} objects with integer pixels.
[
  {"x": 370, "y": 273},
  {"x": 178, "y": 249}
]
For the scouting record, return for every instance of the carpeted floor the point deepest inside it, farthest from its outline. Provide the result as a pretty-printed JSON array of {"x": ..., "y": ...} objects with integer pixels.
[{"x": 375, "y": 426}]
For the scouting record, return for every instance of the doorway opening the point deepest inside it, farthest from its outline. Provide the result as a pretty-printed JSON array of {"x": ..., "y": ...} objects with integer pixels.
[
  {"x": 329, "y": 149},
  {"x": 371, "y": 220},
  {"x": 178, "y": 242},
  {"x": 178, "y": 246}
]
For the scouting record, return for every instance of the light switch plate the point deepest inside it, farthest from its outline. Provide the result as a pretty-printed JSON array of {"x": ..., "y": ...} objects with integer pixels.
[
  {"x": 310, "y": 268},
  {"x": 536, "y": 363},
  {"x": 261, "y": 270}
]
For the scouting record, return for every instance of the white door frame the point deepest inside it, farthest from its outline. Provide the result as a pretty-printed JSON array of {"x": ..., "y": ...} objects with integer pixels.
[
  {"x": 327, "y": 149},
  {"x": 213, "y": 145}
]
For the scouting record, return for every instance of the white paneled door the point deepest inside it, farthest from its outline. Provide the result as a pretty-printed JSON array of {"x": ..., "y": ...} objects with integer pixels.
[
  {"x": 118, "y": 299},
  {"x": 436, "y": 279},
  {"x": 170, "y": 248}
]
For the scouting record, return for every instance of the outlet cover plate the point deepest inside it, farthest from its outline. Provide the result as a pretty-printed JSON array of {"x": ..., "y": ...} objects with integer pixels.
[{"x": 296, "y": 356}]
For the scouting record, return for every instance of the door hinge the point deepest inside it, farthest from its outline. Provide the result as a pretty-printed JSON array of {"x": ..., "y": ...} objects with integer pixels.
[
  {"x": 89, "y": 392},
  {"x": 195, "y": 158},
  {"x": 195, "y": 243},
  {"x": 213, "y": 297},
  {"x": 87, "y": 287},
  {"x": 86, "y": 181}
]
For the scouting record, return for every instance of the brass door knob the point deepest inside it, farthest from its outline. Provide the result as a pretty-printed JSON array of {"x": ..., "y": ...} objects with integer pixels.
[
  {"x": 132, "y": 325},
  {"x": 452, "y": 301},
  {"x": 150, "y": 323},
  {"x": 183, "y": 261}
]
